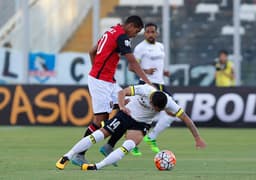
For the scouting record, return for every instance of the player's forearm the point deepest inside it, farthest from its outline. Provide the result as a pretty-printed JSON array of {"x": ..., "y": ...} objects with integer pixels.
[
  {"x": 121, "y": 100},
  {"x": 191, "y": 126},
  {"x": 137, "y": 69},
  {"x": 145, "y": 71}
]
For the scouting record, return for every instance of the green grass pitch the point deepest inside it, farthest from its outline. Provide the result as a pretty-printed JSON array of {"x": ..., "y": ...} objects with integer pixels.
[{"x": 31, "y": 153}]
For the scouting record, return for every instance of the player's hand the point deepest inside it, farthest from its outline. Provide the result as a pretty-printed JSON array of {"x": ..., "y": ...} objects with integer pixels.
[
  {"x": 150, "y": 70},
  {"x": 200, "y": 144},
  {"x": 126, "y": 101},
  {"x": 126, "y": 110}
]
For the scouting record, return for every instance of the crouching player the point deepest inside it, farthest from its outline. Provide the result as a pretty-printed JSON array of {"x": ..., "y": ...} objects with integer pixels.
[{"x": 133, "y": 118}]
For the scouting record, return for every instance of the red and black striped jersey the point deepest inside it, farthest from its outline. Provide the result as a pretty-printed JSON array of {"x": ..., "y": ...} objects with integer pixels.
[{"x": 112, "y": 43}]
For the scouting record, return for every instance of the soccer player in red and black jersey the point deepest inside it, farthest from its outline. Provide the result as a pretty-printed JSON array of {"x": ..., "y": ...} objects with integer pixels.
[{"x": 104, "y": 58}]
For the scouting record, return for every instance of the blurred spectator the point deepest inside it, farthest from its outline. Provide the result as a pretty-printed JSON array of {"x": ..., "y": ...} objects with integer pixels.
[{"x": 224, "y": 75}]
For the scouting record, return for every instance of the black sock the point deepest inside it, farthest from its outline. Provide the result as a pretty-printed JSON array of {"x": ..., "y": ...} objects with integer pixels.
[{"x": 91, "y": 128}]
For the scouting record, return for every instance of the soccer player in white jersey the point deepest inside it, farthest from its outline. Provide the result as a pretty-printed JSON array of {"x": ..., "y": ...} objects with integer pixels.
[
  {"x": 150, "y": 55},
  {"x": 133, "y": 118}
]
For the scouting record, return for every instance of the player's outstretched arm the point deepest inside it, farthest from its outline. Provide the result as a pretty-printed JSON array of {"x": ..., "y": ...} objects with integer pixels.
[
  {"x": 190, "y": 124},
  {"x": 135, "y": 67}
]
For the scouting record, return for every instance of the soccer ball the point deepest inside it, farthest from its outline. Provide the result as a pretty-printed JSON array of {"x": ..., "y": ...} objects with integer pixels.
[{"x": 165, "y": 160}]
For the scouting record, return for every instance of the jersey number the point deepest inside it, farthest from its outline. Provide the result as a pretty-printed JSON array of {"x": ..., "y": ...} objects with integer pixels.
[
  {"x": 114, "y": 124},
  {"x": 102, "y": 42}
]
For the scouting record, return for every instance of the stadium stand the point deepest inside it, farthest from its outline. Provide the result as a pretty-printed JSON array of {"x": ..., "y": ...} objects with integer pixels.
[
  {"x": 105, "y": 23},
  {"x": 199, "y": 29},
  {"x": 196, "y": 34},
  {"x": 55, "y": 20},
  {"x": 81, "y": 41},
  {"x": 7, "y": 11}
]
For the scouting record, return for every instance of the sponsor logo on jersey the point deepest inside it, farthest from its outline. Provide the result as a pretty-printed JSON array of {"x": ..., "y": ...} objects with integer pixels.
[{"x": 127, "y": 43}]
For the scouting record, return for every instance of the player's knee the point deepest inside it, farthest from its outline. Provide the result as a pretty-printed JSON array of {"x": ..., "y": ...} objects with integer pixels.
[
  {"x": 128, "y": 145},
  {"x": 96, "y": 136}
]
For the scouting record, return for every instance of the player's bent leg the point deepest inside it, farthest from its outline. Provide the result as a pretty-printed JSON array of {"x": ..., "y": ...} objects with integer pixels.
[
  {"x": 113, "y": 157},
  {"x": 105, "y": 150},
  {"x": 117, "y": 134},
  {"x": 108, "y": 148},
  {"x": 163, "y": 122},
  {"x": 139, "y": 130},
  {"x": 78, "y": 159},
  {"x": 137, "y": 136},
  {"x": 82, "y": 145},
  {"x": 95, "y": 125}
]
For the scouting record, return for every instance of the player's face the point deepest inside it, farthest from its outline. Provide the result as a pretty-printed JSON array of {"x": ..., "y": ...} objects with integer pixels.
[
  {"x": 132, "y": 30},
  {"x": 157, "y": 109},
  {"x": 150, "y": 34}
]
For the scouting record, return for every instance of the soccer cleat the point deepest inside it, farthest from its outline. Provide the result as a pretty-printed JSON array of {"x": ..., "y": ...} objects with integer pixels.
[
  {"x": 136, "y": 152},
  {"x": 86, "y": 167},
  {"x": 147, "y": 139},
  {"x": 154, "y": 147},
  {"x": 152, "y": 143},
  {"x": 62, "y": 162},
  {"x": 106, "y": 150},
  {"x": 78, "y": 160}
]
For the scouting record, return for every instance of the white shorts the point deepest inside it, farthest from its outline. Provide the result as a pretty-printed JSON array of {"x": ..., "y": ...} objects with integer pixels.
[{"x": 104, "y": 95}]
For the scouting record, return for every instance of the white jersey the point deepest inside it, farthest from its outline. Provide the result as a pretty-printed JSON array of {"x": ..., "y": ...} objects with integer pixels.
[
  {"x": 151, "y": 56},
  {"x": 140, "y": 107}
]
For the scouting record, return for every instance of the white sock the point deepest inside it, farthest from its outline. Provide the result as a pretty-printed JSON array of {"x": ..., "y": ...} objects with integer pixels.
[
  {"x": 164, "y": 121},
  {"x": 85, "y": 143},
  {"x": 117, "y": 154}
]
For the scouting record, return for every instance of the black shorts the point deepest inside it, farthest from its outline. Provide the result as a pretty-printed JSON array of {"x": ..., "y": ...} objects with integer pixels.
[
  {"x": 160, "y": 87},
  {"x": 122, "y": 122}
]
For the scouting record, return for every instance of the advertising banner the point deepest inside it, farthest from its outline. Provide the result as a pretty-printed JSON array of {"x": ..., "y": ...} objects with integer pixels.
[
  {"x": 45, "y": 105},
  {"x": 11, "y": 66},
  {"x": 73, "y": 68},
  {"x": 218, "y": 107},
  {"x": 71, "y": 105}
]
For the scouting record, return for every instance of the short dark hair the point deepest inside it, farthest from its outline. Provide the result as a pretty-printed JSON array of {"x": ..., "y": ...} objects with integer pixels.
[
  {"x": 159, "y": 99},
  {"x": 136, "y": 20},
  {"x": 150, "y": 24},
  {"x": 223, "y": 51}
]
